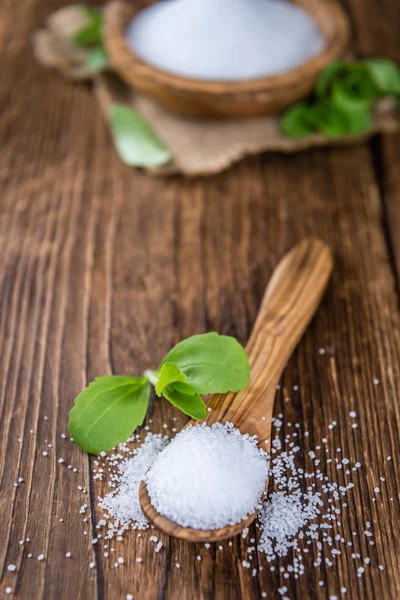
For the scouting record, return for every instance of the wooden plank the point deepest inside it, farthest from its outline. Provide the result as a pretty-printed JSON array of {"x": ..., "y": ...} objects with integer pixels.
[
  {"x": 387, "y": 151},
  {"x": 374, "y": 32},
  {"x": 44, "y": 210},
  {"x": 378, "y": 37},
  {"x": 103, "y": 269}
]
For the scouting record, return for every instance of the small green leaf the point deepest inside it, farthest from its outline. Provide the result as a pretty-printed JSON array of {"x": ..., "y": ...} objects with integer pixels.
[
  {"x": 92, "y": 14},
  {"x": 386, "y": 76},
  {"x": 183, "y": 387},
  {"x": 353, "y": 77},
  {"x": 355, "y": 95},
  {"x": 212, "y": 363},
  {"x": 331, "y": 121},
  {"x": 135, "y": 141},
  {"x": 299, "y": 121},
  {"x": 169, "y": 373},
  {"x": 88, "y": 36},
  {"x": 97, "y": 60},
  {"x": 336, "y": 69},
  {"x": 108, "y": 411},
  {"x": 92, "y": 33},
  {"x": 359, "y": 122},
  {"x": 191, "y": 405}
]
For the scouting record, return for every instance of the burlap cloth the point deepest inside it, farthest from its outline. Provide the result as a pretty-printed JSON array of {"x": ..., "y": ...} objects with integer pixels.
[{"x": 199, "y": 146}]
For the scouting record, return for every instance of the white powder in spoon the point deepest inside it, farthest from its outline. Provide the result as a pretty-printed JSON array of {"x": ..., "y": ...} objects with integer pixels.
[
  {"x": 224, "y": 39},
  {"x": 208, "y": 477}
]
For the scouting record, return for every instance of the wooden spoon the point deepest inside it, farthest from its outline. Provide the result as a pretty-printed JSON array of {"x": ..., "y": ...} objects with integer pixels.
[{"x": 290, "y": 301}]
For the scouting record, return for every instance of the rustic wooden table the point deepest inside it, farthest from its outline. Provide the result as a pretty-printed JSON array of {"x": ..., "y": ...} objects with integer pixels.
[{"x": 104, "y": 268}]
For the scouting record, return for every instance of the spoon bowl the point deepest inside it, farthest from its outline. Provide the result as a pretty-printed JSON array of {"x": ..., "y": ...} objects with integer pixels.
[
  {"x": 188, "y": 533},
  {"x": 290, "y": 301}
]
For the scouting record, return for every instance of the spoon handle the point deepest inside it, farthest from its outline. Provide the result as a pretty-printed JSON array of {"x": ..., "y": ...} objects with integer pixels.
[{"x": 290, "y": 301}]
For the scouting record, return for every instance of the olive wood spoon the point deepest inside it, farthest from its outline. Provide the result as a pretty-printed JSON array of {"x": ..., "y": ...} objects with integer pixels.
[{"x": 290, "y": 301}]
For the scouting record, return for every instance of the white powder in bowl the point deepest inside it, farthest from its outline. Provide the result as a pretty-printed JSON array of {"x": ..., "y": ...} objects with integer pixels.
[
  {"x": 208, "y": 477},
  {"x": 224, "y": 39}
]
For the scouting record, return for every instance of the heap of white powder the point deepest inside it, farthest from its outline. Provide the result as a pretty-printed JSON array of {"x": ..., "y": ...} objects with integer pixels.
[
  {"x": 208, "y": 477},
  {"x": 224, "y": 39}
]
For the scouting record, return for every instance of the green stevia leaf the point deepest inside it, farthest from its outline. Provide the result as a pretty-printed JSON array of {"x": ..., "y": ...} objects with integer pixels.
[
  {"x": 183, "y": 387},
  {"x": 357, "y": 111},
  {"x": 212, "y": 363},
  {"x": 93, "y": 15},
  {"x": 97, "y": 60},
  {"x": 108, "y": 411},
  {"x": 332, "y": 122},
  {"x": 135, "y": 141},
  {"x": 359, "y": 84},
  {"x": 344, "y": 97},
  {"x": 385, "y": 75},
  {"x": 359, "y": 122},
  {"x": 91, "y": 34},
  {"x": 353, "y": 78},
  {"x": 349, "y": 102},
  {"x": 335, "y": 70},
  {"x": 169, "y": 373},
  {"x": 88, "y": 36},
  {"x": 191, "y": 405},
  {"x": 299, "y": 121}
]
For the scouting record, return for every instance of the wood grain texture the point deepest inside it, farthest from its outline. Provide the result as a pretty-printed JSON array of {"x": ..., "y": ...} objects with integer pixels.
[
  {"x": 103, "y": 269},
  {"x": 378, "y": 37},
  {"x": 232, "y": 98}
]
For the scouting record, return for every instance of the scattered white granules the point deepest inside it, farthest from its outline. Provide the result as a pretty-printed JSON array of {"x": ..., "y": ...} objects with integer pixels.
[
  {"x": 11, "y": 568},
  {"x": 302, "y": 514},
  {"x": 224, "y": 39},
  {"x": 123, "y": 503},
  {"x": 208, "y": 477},
  {"x": 283, "y": 515}
]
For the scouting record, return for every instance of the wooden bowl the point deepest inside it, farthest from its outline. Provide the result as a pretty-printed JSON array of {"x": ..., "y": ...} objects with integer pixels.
[{"x": 226, "y": 98}]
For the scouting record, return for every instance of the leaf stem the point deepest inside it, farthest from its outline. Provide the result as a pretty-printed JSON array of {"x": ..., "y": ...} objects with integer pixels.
[{"x": 151, "y": 376}]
